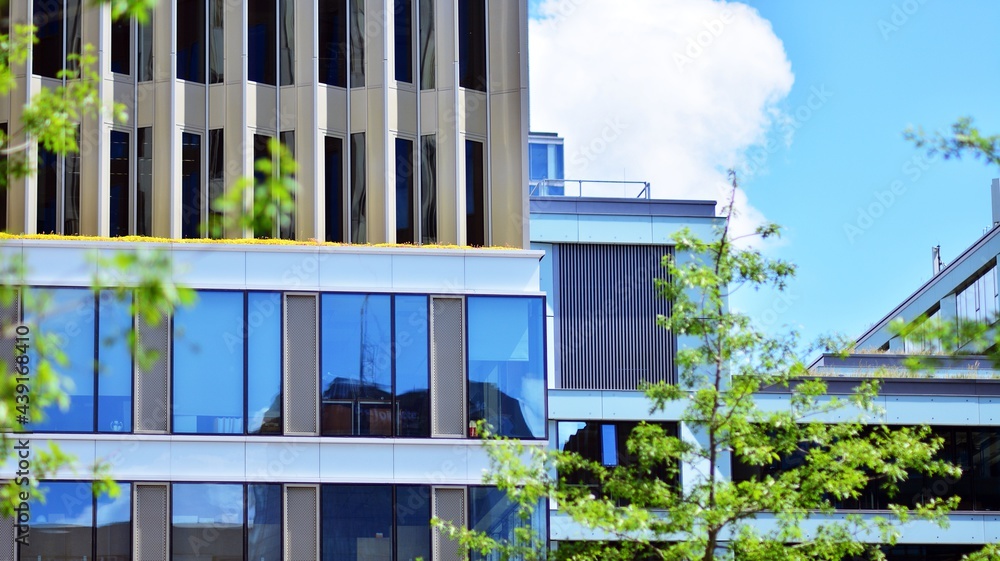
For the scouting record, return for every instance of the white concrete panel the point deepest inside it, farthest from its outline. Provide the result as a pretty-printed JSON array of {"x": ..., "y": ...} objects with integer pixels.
[
  {"x": 60, "y": 266},
  {"x": 435, "y": 273},
  {"x": 210, "y": 268},
  {"x": 616, "y": 229},
  {"x": 554, "y": 228},
  {"x": 635, "y": 406},
  {"x": 355, "y": 271},
  {"x": 936, "y": 410},
  {"x": 207, "y": 459},
  {"x": 479, "y": 465},
  {"x": 83, "y": 452},
  {"x": 444, "y": 461},
  {"x": 663, "y": 227},
  {"x": 10, "y": 252},
  {"x": 550, "y": 354},
  {"x": 501, "y": 274},
  {"x": 358, "y": 461},
  {"x": 991, "y": 529},
  {"x": 136, "y": 459},
  {"x": 989, "y": 410},
  {"x": 279, "y": 270},
  {"x": 572, "y": 405},
  {"x": 286, "y": 461}
]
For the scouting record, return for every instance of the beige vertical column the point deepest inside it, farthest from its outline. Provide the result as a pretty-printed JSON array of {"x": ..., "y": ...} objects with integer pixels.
[
  {"x": 166, "y": 136},
  {"x": 508, "y": 106},
  {"x": 21, "y": 199},
  {"x": 375, "y": 125},
  {"x": 309, "y": 202},
  {"x": 95, "y": 153},
  {"x": 237, "y": 140},
  {"x": 451, "y": 196}
]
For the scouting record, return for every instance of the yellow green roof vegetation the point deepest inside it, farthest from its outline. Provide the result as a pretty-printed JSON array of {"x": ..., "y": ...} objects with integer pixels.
[{"x": 232, "y": 241}]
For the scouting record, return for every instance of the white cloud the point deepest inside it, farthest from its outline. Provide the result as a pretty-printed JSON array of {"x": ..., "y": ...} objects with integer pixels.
[{"x": 668, "y": 91}]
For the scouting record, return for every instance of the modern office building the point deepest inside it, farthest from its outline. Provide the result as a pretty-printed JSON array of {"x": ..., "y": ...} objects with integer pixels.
[
  {"x": 316, "y": 400},
  {"x": 546, "y": 161}
]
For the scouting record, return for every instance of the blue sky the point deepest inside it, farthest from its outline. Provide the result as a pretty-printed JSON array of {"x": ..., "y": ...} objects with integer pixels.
[{"x": 817, "y": 95}]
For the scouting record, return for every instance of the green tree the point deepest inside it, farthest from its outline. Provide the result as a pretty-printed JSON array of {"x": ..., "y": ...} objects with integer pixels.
[{"x": 802, "y": 464}]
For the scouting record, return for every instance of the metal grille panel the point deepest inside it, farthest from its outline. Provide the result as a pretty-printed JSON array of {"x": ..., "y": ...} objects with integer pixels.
[
  {"x": 449, "y": 505},
  {"x": 448, "y": 400},
  {"x": 607, "y": 308},
  {"x": 301, "y": 365},
  {"x": 151, "y": 523},
  {"x": 7, "y": 533},
  {"x": 10, "y": 317},
  {"x": 301, "y": 524},
  {"x": 152, "y": 387}
]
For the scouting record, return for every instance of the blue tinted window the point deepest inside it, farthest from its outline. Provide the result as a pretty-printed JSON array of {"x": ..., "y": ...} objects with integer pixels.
[
  {"x": 264, "y": 363},
  {"x": 62, "y": 528},
  {"x": 491, "y": 512},
  {"x": 261, "y": 42},
  {"x": 68, "y": 318},
  {"x": 356, "y": 383},
  {"x": 507, "y": 364},
  {"x": 403, "y": 22},
  {"x": 264, "y": 522},
  {"x": 538, "y": 161},
  {"x": 334, "y": 188},
  {"x": 208, "y": 365},
  {"x": 404, "y": 191},
  {"x": 558, "y": 172},
  {"x": 191, "y": 40},
  {"x": 472, "y": 44},
  {"x": 413, "y": 522},
  {"x": 114, "y": 359},
  {"x": 206, "y": 509},
  {"x": 47, "y": 177},
  {"x": 191, "y": 199},
  {"x": 119, "y": 184},
  {"x": 114, "y": 524},
  {"x": 412, "y": 366},
  {"x": 356, "y": 522},
  {"x": 331, "y": 25}
]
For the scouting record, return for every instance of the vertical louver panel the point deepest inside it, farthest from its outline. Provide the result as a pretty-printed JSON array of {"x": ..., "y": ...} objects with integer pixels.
[
  {"x": 301, "y": 365},
  {"x": 7, "y": 531},
  {"x": 10, "y": 318},
  {"x": 152, "y": 523},
  {"x": 449, "y": 505},
  {"x": 301, "y": 524},
  {"x": 448, "y": 401},
  {"x": 607, "y": 308},
  {"x": 152, "y": 386}
]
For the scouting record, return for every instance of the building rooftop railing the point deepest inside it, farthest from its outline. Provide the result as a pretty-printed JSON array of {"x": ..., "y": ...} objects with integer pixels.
[{"x": 590, "y": 188}]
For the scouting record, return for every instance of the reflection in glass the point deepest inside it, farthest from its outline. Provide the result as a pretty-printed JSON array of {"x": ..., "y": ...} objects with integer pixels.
[
  {"x": 356, "y": 522},
  {"x": 357, "y": 8},
  {"x": 216, "y": 36},
  {"x": 144, "y": 52},
  {"x": 71, "y": 192},
  {"x": 261, "y": 28},
  {"x": 114, "y": 524},
  {"x": 334, "y": 189},
  {"x": 404, "y": 191},
  {"x": 403, "y": 40},
  {"x": 286, "y": 231},
  {"x": 412, "y": 366},
  {"x": 121, "y": 41},
  {"x": 490, "y": 511},
  {"x": 119, "y": 184},
  {"x": 144, "y": 186},
  {"x": 208, "y": 365},
  {"x": 47, "y": 181},
  {"x": 507, "y": 364},
  {"x": 190, "y": 40},
  {"x": 475, "y": 194},
  {"x": 264, "y": 522},
  {"x": 261, "y": 151},
  {"x": 68, "y": 317},
  {"x": 286, "y": 46},
  {"x": 472, "y": 44},
  {"x": 357, "y": 364},
  {"x": 332, "y": 48},
  {"x": 264, "y": 363},
  {"x": 413, "y": 517},
  {"x": 62, "y": 527},
  {"x": 359, "y": 185},
  {"x": 47, "y": 52},
  {"x": 427, "y": 48},
  {"x": 207, "y": 509},
  {"x": 114, "y": 379},
  {"x": 216, "y": 173},
  {"x": 191, "y": 199},
  {"x": 428, "y": 189}
]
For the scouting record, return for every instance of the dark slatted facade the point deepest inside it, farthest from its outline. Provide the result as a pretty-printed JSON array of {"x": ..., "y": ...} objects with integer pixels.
[{"x": 608, "y": 335}]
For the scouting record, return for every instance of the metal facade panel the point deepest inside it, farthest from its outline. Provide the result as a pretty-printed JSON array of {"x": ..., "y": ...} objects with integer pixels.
[
  {"x": 449, "y": 505},
  {"x": 301, "y": 364},
  {"x": 152, "y": 523},
  {"x": 448, "y": 398},
  {"x": 152, "y": 386},
  {"x": 608, "y": 337},
  {"x": 7, "y": 543},
  {"x": 301, "y": 523}
]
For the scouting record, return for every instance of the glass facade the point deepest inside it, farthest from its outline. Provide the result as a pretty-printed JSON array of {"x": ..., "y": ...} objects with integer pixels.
[
  {"x": 359, "y": 189},
  {"x": 120, "y": 209},
  {"x": 332, "y": 27},
  {"x": 334, "y": 188},
  {"x": 428, "y": 189},
  {"x": 191, "y": 197},
  {"x": 403, "y": 40},
  {"x": 491, "y": 512},
  {"x": 121, "y": 46},
  {"x": 114, "y": 363},
  {"x": 404, "y": 191},
  {"x": 74, "y": 525},
  {"x": 475, "y": 194},
  {"x": 412, "y": 362},
  {"x": 428, "y": 51},
  {"x": 978, "y": 302},
  {"x": 374, "y": 522},
  {"x": 207, "y": 521},
  {"x": 263, "y": 329},
  {"x": 262, "y": 41},
  {"x": 190, "y": 40},
  {"x": 472, "y": 44},
  {"x": 57, "y": 24},
  {"x": 506, "y": 353},
  {"x": 216, "y": 175},
  {"x": 144, "y": 182}
]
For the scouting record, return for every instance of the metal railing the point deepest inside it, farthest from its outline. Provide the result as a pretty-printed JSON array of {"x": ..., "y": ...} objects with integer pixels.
[{"x": 589, "y": 188}]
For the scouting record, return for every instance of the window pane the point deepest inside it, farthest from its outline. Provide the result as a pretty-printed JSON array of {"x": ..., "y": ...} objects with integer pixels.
[
  {"x": 114, "y": 378},
  {"x": 261, "y": 152},
  {"x": 490, "y": 511},
  {"x": 356, "y": 522},
  {"x": 286, "y": 47},
  {"x": 73, "y": 39},
  {"x": 71, "y": 192},
  {"x": 507, "y": 364},
  {"x": 47, "y": 52},
  {"x": 264, "y": 362},
  {"x": 428, "y": 189},
  {"x": 144, "y": 52},
  {"x": 121, "y": 45},
  {"x": 3, "y": 175},
  {"x": 191, "y": 203},
  {"x": 114, "y": 525},
  {"x": 261, "y": 41},
  {"x": 332, "y": 28},
  {"x": 403, "y": 40},
  {"x": 412, "y": 366},
  {"x": 207, "y": 509},
  {"x": 357, "y": 370},
  {"x": 62, "y": 528},
  {"x": 191, "y": 40},
  {"x": 472, "y": 44},
  {"x": 47, "y": 180},
  {"x": 119, "y": 185},
  {"x": 334, "y": 192},
  {"x": 208, "y": 365},
  {"x": 264, "y": 522},
  {"x": 216, "y": 174},
  {"x": 359, "y": 185},
  {"x": 428, "y": 51},
  {"x": 286, "y": 227},
  {"x": 609, "y": 445},
  {"x": 68, "y": 317},
  {"x": 475, "y": 194},
  {"x": 144, "y": 182},
  {"x": 538, "y": 161},
  {"x": 357, "y": 8},
  {"x": 216, "y": 38},
  {"x": 413, "y": 522},
  {"x": 404, "y": 191}
]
